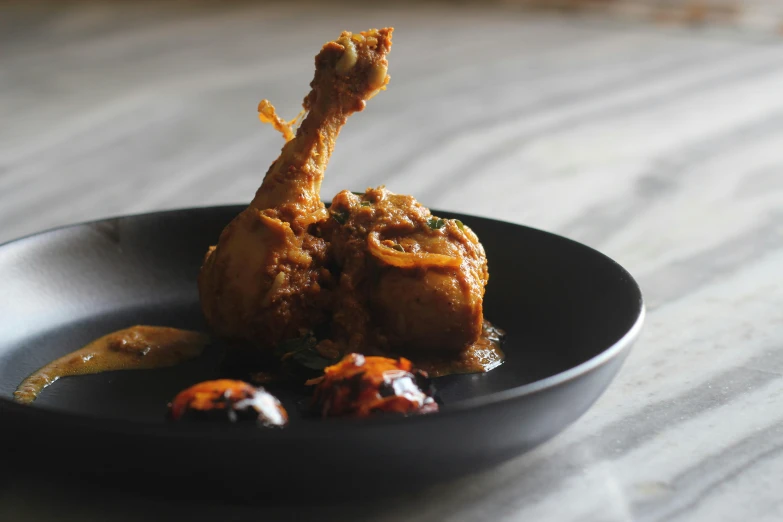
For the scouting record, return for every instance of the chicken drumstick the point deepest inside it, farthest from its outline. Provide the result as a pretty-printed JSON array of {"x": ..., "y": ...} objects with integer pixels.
[{"x": 266, "y": 278}]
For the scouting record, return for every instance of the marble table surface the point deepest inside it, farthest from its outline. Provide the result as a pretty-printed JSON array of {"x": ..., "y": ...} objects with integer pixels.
[{"x": 660, "y": 146}]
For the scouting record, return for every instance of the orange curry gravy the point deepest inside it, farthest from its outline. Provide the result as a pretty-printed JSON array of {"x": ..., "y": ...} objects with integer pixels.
[
  {"x": 135, "y": 348},
  {"x": 484, "y": 355}
]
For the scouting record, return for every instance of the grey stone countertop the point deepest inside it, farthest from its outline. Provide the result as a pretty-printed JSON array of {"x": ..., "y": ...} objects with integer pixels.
[{"x": 661, "y": 147}]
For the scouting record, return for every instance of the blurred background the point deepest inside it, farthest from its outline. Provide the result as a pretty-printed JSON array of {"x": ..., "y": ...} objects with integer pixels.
[{"x": 581, "y": 117}]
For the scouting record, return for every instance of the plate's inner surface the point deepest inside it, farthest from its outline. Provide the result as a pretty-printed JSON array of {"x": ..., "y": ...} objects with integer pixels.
[{"x": 560, "y": 303}]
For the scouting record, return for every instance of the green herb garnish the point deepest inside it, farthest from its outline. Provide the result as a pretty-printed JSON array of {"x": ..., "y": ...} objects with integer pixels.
[
  {"x": 302, "y": 351},
  {"x": 312, "y": 359},
  {"x": 398, "y": 247},
  {"x": 435, "y": 223},
  {"x": 365, "y": 203},
  {"x": 340, "y": 216},
  {"x": 308, "y": 340},
  {"x": 459, "y": 224}
]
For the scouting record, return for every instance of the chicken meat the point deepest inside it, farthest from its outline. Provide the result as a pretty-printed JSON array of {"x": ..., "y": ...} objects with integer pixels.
[
  {"x": 267, "y": 278},
  {"x": 410, "y": 282}
]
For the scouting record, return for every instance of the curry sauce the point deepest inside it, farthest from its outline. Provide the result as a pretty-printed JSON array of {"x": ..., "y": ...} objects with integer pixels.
[
  {"x": 482, "y": 356},
  {"x": 135, "y": 348}
]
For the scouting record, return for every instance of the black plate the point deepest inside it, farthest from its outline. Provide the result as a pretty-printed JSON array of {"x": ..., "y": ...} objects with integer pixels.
[{"x": 570, "y": 312}]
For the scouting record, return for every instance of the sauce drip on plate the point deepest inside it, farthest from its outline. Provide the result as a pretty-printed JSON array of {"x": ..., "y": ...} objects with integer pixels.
[
  {"x": 135, "y": 348},
  {"x": 482, "y": 356}
]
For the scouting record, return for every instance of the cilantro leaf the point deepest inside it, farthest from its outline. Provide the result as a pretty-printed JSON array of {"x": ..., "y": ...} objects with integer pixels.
[
  {"x": 301, "y": 350},
  {"x": 435, "y": 223},
  {"x": 340, "y": 216}
]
